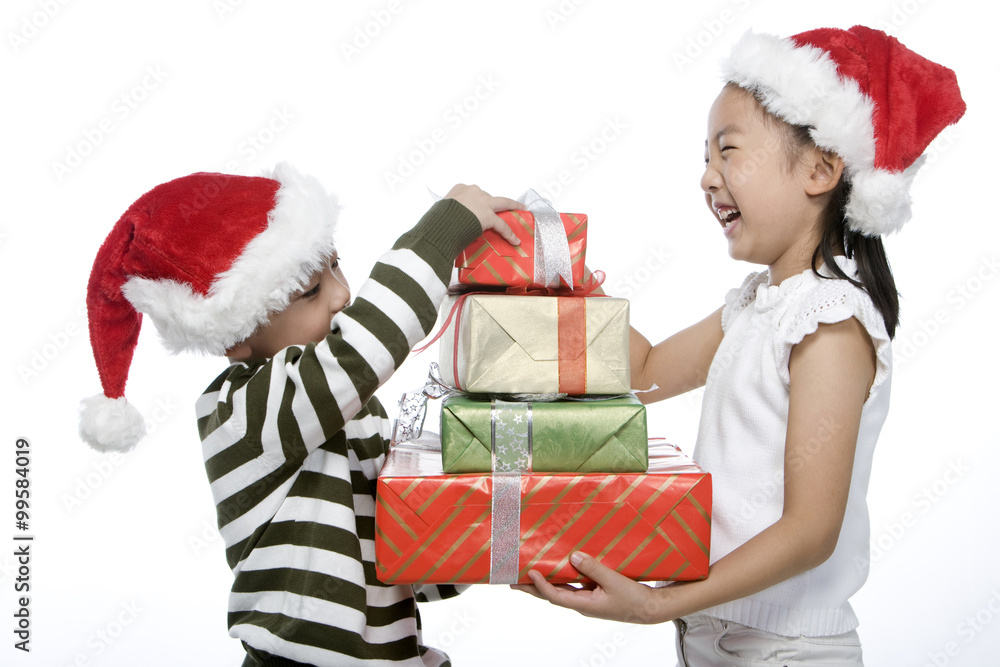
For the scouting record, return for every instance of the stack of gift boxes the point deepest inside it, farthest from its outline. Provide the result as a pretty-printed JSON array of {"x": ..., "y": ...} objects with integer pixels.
[{"x": 543, "y": 450}]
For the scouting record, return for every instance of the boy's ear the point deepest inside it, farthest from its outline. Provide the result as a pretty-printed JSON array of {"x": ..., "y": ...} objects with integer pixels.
[
  {"x": 825, "y": 171},
  {"x": 240, "y": 352}
]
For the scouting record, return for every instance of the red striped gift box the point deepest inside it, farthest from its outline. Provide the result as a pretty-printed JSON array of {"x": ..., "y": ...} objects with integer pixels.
[
  {"x": 490, "y": 260},
  {"x": 438, "y": 528}
]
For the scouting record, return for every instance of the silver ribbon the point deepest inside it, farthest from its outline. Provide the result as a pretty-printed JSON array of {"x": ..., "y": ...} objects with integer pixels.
[
  {"x": 505, "y": 532},
  {"x": 552, "y": 258},
  {"x": 510, "y": 436},
  {"x": 510, "y": 445},
  {"x": 409, "y": 425}
]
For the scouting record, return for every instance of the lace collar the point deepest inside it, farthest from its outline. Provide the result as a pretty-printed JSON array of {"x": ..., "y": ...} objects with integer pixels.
[{"x": 769, "y": 296}]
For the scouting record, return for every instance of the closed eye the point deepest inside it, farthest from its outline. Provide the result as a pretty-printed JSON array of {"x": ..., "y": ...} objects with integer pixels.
[{"x": 311, "y": 293}]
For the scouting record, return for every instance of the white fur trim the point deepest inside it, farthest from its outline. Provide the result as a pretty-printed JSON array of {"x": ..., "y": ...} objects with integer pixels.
[
  {"x": 273, "y": 266},
  {"x": 801, "y": 85},
  {"x": 110, "y": 424}
]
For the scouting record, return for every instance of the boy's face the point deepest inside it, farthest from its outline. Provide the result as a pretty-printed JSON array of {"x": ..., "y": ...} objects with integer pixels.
[
  {"x": 305, "y": 320},
  {"x": 758, "y": 200}
]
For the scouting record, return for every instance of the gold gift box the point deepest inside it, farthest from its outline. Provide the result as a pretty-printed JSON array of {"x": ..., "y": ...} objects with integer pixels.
[{"x": 512, "y": 344}]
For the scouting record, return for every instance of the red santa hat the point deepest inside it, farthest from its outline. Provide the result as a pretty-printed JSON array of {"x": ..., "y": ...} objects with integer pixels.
[
  {"x": 209, "y": 257},
  {"x": 866, "y": 97}
]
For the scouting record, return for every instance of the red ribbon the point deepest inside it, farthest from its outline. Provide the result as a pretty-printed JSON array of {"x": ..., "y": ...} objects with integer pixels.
[
  {"x": 587, "y": 288},
  {"x": 572, "y": 345}
]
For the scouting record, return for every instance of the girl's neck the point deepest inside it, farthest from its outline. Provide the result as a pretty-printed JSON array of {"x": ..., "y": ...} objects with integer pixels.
[
  {"x": 792, "y": 263},
  {"x": 788, "y": 266},
  {"x": 798, "y": 256}
]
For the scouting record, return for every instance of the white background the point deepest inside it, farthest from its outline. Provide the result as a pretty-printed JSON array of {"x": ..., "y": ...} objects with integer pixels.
[{"x": 104, "y": 100}]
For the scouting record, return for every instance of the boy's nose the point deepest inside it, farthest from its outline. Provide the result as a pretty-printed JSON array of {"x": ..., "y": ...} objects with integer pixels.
[{"x": 340, "y": 297}]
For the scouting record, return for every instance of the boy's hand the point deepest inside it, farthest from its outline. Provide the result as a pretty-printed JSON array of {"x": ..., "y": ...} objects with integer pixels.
[{"x": 485, "y": 206}]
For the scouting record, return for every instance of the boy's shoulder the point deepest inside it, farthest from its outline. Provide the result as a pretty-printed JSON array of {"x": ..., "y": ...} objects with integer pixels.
[
  {"x": 217, "y": 398},
  {"x": 235, "y": 375}
]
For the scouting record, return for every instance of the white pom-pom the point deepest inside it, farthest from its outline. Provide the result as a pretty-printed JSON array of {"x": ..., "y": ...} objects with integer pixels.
[
  {"x": 879, "y": 203},
  {"x": 110, "y": 424}
]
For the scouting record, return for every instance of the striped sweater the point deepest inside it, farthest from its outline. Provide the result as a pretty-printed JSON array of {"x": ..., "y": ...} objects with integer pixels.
[{"x": 293, "y": 447}]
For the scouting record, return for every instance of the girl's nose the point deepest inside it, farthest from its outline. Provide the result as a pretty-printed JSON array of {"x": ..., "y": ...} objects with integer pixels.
[{"x": 711, "y": 180}]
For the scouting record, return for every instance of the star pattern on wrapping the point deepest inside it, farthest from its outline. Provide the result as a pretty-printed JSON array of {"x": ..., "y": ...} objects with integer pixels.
[{"x": 512, "y": 447}]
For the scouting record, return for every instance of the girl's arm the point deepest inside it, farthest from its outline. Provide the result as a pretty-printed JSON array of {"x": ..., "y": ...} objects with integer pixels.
[
  {"x": 831, "y": 372},
  {"x": 678, "y": 364}
]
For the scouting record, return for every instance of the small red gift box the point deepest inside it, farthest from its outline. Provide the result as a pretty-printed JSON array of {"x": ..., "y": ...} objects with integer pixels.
[
  {"x": 431, "y": 527},
  {"x": 490, "y": 260}
]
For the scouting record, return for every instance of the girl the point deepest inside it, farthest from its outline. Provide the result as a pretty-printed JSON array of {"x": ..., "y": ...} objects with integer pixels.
[{"x": 811, "y": 148}]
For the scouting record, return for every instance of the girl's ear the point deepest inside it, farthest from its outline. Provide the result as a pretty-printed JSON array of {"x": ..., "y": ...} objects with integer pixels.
[{"x": 825, "y": 169}]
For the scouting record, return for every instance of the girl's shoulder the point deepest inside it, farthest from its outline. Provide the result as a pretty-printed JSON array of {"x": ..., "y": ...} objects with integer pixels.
[
  {"x": 827, "y": 299},
  {"x": 795, "y": 309}
]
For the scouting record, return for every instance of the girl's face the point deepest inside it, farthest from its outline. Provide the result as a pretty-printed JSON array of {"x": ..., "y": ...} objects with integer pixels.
[{"x": 760, "y": 201}]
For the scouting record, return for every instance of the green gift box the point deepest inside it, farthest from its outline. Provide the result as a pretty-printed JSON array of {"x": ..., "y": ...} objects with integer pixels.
[{"x": 556, "y": 436}]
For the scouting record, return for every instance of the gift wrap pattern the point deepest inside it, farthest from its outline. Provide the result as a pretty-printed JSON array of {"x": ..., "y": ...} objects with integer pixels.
[
  {"x": 490, "y": 260},
  {"x": 432, "y": 527},
  {"x": 557, "y": 436},
  {"x": 499, "y": 343}
]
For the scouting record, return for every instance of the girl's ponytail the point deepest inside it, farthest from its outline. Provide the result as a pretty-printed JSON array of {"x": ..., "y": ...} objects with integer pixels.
[{"x": 874, "y": 274}]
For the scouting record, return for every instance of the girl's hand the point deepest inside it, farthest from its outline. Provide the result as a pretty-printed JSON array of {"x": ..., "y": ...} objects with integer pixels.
[
  {"x": 612, "y": 596},
  {"x": 485, "y": 207}
]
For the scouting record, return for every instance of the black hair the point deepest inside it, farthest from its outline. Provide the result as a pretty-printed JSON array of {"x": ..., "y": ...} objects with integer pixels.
[{"x": 836, "y": 237}]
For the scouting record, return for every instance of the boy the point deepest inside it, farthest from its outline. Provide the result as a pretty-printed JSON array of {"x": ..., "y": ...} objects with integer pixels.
[{"x": 293, "y": 437}]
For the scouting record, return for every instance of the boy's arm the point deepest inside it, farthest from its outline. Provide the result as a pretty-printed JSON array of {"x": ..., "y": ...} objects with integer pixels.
[
  {"x": 678, "y": 364},
  {"x": 435, "y": 592},
  {"x": 306, "y": 394}
]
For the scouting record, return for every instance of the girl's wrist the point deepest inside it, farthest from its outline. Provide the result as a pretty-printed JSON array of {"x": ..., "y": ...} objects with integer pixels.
[{"x": 660, "y": 606}]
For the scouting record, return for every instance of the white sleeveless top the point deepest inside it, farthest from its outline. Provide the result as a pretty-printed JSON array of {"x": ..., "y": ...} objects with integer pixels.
[{"x": 741, "y": 441}]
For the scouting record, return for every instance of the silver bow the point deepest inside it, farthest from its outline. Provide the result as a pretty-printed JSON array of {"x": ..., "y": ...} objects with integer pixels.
[{"x": 552, "y": 258}]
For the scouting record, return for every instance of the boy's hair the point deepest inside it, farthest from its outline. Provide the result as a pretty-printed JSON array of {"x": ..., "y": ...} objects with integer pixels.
[
  {"x": 868, "y": 252},
  {"x": 209, "y": 257}
]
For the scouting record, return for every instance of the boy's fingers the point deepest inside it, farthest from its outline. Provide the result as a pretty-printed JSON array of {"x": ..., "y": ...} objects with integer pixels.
[
  {"x": 499, "y": 204},
  {"x": 507, "y": 204},
  {"x": 501, "y": 227}
]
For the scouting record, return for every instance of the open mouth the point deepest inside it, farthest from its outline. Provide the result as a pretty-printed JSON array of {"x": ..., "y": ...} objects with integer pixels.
[{"x": 728, "y": 216}]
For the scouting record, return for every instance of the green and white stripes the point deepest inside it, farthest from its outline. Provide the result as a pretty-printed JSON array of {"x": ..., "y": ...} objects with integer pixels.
[{"x": 293, "y": 446}]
